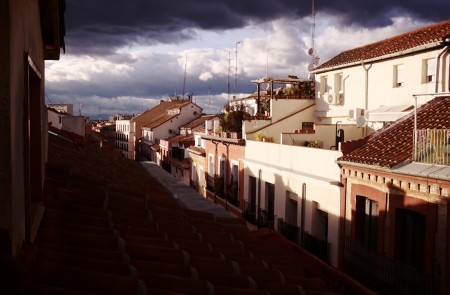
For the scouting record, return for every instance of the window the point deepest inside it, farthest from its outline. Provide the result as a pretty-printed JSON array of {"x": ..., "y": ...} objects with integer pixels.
[
  {"x": 366, "y": 223},
  {"x": 270, "y": 202},
  {"x": 252, "y": 193},
  {"x": 339, "y": 83},
  {"x": 398, "y": 76},
  {"x": 234, "y": 172},
  {"x": 307, "y": 125},
  {"x": 410, "y": 237},
  {"x": 33, "y": 160},
  {"x": 211, "y": 165},
  {"x": 429, "y": 70},
  {"x": 222, "y": 167},
  {"x": 291, "y": 208},
  {"x": 194, "y": 174},
  {"x": 324, "y": 84}
]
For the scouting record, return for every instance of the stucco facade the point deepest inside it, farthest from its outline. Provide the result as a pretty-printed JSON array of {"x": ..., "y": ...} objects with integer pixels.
[
  {"x": 25, "y": 26},
  {"x": 307, "y": 176}
]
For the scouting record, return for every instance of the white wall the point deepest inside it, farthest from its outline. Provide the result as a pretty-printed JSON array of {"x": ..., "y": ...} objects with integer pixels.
[
  {"x": 381, "y": 89},
  {"x": 288, "y": 168},
  {"x": 74, "y": 124},
  {"x": 289, "y": 123}
]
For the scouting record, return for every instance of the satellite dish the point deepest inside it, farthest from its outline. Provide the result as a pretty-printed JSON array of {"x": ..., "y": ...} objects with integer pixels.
[
  {"x": 265, "y": 86},
  {"x": 311, "y": 51},
  {"x": 361, "y": 121},
  {"x": 310, "y": 67}
]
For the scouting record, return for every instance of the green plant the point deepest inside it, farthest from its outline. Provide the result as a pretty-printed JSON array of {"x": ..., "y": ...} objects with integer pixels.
[
  {"x": 232, "y": 121},
  {"x": 266, "y": 105},
  {"x": 259, "y": 136},
  {"x": 314, "y": 144}
]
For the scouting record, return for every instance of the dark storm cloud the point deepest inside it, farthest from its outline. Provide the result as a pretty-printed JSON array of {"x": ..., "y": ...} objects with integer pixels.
[{"x": 101, "y": 26}]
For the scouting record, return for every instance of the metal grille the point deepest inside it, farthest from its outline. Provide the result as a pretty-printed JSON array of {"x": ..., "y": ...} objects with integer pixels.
[
  {"x": 383, "y": 274},
  {"x": 432, "y": 146}
]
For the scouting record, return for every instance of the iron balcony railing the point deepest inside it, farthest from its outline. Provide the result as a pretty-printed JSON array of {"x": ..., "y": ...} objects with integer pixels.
[
  {"x": 289, "y": 231},
  {"x": 382, "y": 273},
  {"x": 432, "y": 146},
  {"x": 210, "y": 182}
]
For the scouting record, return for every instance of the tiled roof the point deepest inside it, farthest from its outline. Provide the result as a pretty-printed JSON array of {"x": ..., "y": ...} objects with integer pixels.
[
  {"x": 393, "y": 144},
  {"x": 110, "y": 228},
  {"x": 159, "y": 113},
  {"x": 159, "y": 120},
  {"x": 197, "y": 150},
  {"x": 199, "y": 121},
  {"x": 416, "y": 38},
  {"x": 184, "y": 139}
]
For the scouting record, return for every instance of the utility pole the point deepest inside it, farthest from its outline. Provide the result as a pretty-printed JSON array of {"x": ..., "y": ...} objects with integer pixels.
[{"x": 236, "y": 72}]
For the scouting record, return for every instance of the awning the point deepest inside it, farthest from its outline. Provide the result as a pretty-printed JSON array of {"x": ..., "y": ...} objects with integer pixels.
[{"x": 388, "y": 113}]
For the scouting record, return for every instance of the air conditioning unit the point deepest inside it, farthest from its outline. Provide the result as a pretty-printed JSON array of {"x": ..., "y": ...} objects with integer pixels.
[
  {"x": 339, "y": 98},
  {"x": 330, "y": 99},
  {"x": 355, "y": 113}
]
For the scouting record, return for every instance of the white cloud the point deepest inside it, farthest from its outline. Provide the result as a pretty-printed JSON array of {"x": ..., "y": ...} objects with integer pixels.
[
  {"x": 136, "y": 77},
  {"x": 205, "y": 76}
]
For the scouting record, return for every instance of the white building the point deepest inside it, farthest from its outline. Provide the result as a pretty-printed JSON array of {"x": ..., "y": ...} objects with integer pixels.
[
  {"x": 125, "y": 137},
  {"x": 65, "y": 121},
  {"x": 297, "y": 188},
  {"x": 375, "y": 83},
  {"x": 163, "y": 121}
]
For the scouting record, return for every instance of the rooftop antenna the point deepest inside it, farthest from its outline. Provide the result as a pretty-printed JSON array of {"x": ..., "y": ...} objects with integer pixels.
[
  {"x": 312, "y": 51},
  {"x": 209, "y": 95},
  {"x": 229, "y": 67},
  {"x": 184, "y": 83},
  {"x": 236, "y": 72}
]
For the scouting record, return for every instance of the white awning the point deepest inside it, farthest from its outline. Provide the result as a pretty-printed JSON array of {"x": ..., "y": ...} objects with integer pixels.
[{"x": 388, "y": 113}]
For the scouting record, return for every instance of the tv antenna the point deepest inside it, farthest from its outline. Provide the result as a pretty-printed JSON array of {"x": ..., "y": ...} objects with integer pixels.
[
  {"x": 209, "y": 96},
  {"x": 184, "y": 83},
  {"x": 236, "y": 72},
  {"x": 312, "y": 51}
]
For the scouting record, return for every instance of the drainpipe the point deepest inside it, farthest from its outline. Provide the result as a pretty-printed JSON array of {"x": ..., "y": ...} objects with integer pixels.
[
  {"x": 225, "y": 178},
  {"x": 366, "y": 94},
  {"x": 215, "y": 168},
  {"x": 437, "y": 68},
  {"x": 302, "y": 221},
  {"x": 259, "y": 197}
]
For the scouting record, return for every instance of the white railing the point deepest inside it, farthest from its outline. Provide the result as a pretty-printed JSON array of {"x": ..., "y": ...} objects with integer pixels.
[{"x": 432, "y": 146}]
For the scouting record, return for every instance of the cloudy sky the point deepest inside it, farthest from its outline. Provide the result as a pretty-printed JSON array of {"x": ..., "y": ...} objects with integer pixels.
[{"x": 125, "y": 56}]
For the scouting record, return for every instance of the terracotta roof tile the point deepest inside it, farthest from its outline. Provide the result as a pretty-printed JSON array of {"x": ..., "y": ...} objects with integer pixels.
[
  {"x": 394, "y": 144},
  {"x": 199, "y": 121},
  {"x": 100, "y": 237},
  {"x": 422, "y": 36}
]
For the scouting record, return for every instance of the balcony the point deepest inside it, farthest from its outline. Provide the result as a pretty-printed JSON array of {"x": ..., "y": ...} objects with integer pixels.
[
  {"x": 432, "y": 146},
  {"x": 382, "y": 273},
  {"x": 289, "y": 231}
]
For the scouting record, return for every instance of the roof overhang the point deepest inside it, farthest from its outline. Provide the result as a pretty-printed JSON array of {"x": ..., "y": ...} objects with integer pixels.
[
  {"x": 240, "y": 141},
  {"x": 53, "y": 27},
  {"x": 278, "y": 80},
  {"x": 428, "y": 46}
]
